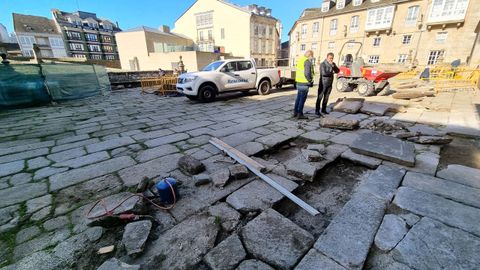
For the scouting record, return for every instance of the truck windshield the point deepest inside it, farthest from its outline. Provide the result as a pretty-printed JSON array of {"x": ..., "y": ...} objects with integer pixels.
[{"x": 213, "y": 66}]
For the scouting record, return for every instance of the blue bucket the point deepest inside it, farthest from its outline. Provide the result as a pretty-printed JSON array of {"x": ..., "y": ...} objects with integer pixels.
[{"x": 165, "y": 191}]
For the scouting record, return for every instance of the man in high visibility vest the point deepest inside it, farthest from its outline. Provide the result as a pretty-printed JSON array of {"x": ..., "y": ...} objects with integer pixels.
[{"x": 304, "y": 80}]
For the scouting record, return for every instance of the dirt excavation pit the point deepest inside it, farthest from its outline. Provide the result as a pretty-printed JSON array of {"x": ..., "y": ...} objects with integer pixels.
[{"x": 328, "y": 192}]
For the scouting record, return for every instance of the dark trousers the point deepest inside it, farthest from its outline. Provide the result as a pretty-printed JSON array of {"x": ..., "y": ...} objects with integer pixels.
[
  {"x": 324, "y": 89},
  {"x": 302, "y": 93}
]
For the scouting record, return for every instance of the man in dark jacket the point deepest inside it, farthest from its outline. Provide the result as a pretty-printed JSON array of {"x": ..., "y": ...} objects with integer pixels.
[
  {"x": 327, "y": 69},
  {"x": 304, "y": 80}
]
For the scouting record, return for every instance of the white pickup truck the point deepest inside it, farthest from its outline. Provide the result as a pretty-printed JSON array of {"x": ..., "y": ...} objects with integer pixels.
[{"x": 225, "y": 76}]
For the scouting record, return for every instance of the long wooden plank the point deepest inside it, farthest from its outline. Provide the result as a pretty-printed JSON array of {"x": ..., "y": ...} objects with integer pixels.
[
  {"x": 255, "y": 164},
  {"x": 228, "y": 149}
]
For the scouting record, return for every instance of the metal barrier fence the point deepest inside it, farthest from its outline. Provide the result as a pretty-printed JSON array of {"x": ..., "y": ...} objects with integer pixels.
[{"x": 162, "y": 85}]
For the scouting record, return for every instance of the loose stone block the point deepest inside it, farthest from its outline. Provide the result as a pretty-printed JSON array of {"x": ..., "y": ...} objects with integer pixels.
[
  {"x": 135, "y": 236},
  {"x": 367, "y": 161},
  {"x": 316, "y": 260},
  {"x": 372, "y": 108},
  {"x": 385, "y": 147},
  {"x": 433, "y": 245},
  {"x": 250, "y": 148},
  {"x": 238, "y": 171},
  {"x": 316, "y": 136},
  {"x": 226, "y": 255},
  {"x": 449, "y": 212},
  {"x": 281, "y": 245},
  {"x": 431, "y": 140},
  {"x": 220, "y": 177},
  {"x": 461, "y": 174},
  {"x": 190, "y": 165},
  {"x": 348, "y": 238},
  {"x": 338, "y": 123},
  {"x": 311, "y": 155},
  {"x": 392, "y": 230},
  {"x": 383, "y": 182},
  {"x": 349, "y": 105},
  {"x": 273, "y": 139}
]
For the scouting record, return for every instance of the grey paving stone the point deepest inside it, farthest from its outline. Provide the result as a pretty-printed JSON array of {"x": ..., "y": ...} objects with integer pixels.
[
  {"x": 243, "y": 137},
  {"x": 116, "y": 264},
  {"x": 41, "y": 214},
  {"x": 433, "y": 245},
  {"x": 159, "y": 167},
  {"x": 410, "y": 219},
  {"x": 68, "y": 154},
  {"x": 316, "y": 260},
  {"x": 41, "y": 260},
  {"x": 425, "y": 130},
  {"x": 194, "y": 125},
  {"x": 47, "y": 171},
  {"x": 374, "y": 108},
  {"x": 27, "y": 147},
  {"x": 39, "y": 243},
  {"x": 181, "y": 246},
  {"x": 274, "y": 139},
  {"x": 167, "y": 139},
  {"x": 229, "y": 218},
  {"x": 346, "y": 138},
  {"x": 226, "y": 255},
  {"x": 11, "y": 168},
  {"x": 367, "y": 161},
  {"x": 348, "y": 238},
  {"x": 220, "y": 177},
  {"x": 258, "y": 195},
  {"x": 254, "y": 265},
  {"x": 152, "y": 134},
  {"x": 75, "y": 176},
  {"x": 349, "y": 105},
  {"x": 449, "y": 212},
  {"x": 18, "y": 194},
  {"x": 73, "y": 139},
  {"x": 281, "y": 245},
  {"x": 426, "y": 162},
  {"x": 339, "y": 123},
  {"x": 445, "y": 188},
  {"x": 135, "y": 236},
  {"x": 27, "y": 234},
  {"x": 383, "y": 182},
  {"x": 110, "y": 144},
  {"x": 461, "y": 174},
  {"x": 20, "y": 179},
  {"x": 56, "y": 223},
  {"x": 67, "y": 146},
  {"x": 156, "y": 152},
  {"x": 222, "y": 132},
  {"x": 391, "y": 231},
  {"x": 36, "y": 204},
  {"x": 385, "y": 147},
  {"x": 84, "y": 160},
  {"x": 38, "y": 162}
]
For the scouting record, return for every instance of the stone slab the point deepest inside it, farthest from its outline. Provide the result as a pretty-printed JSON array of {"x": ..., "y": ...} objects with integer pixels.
[
  {"x": 228, "y": 216},
  {"x": 346, "y": 138},
  {"x": 433, "y": 245},
  {"x": 348, "y": 238},
  {"x": 258, "y": 195},
  {"x": 11, "y": 167},
  {"x": 110, "y": 144},
  {"x": 254, "y": 265},
  {"x": 281, "y": 245},
  {"x": 449, "y": 212},
  {"x": 21, "y": 193},
  {"x": 167, "y": 139},
  {"x": 391, "y": 231},
  {"x": 426, "y": 162},
  {"x": 349, "y": 105},
  {"x": 383, "y": 182},
  {"x": 367, "y": 161},
  {"x": 316, "y": 260},
  {"x": 226, "y": 255},
  {"x": 135, "y": 236},
  {"x": 75, "y": 176},
  {"x": 461, "y": 174},
  {"x": 445, "y": 188},
  {"x": 374, "y": 108},
  {"x": 385, "y": 147},
  {"x": 156, "y": 152},
  {"x": 116, "y": 264},
  {"x": 274, "y": 139},
  {"x": 83, "y": 161},
  {"x": 250, "y": 148},
  {"x": 316, "y": 136},
  {"x": 338, "y": 123},
  {"x": 24, "y": 155},
  {"x": 67, "y": 154}
]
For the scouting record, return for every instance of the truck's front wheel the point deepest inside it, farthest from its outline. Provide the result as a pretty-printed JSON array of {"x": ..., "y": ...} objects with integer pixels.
[
  {"x": 264, "y": 87},
  {"x": 207, "y": 93}
]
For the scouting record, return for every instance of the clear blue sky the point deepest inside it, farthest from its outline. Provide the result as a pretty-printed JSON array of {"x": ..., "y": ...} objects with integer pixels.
[{"x": 151, "y": 13}]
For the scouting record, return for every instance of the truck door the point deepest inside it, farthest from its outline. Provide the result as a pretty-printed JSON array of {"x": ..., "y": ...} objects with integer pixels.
[
  {"x": 247, "y": 74},
  {"x": 228, "y": 76}
]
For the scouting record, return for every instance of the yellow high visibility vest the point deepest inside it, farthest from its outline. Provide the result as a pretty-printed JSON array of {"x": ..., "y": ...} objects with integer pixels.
[{"x": 300, "y": 72}]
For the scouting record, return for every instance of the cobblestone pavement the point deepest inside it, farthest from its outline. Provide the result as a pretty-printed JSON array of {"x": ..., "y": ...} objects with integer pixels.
[{"x": 55, "y": 161}]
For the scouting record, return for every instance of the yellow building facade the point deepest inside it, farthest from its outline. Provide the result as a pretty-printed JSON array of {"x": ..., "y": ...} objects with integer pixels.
[{"x": 426, "y": 32}]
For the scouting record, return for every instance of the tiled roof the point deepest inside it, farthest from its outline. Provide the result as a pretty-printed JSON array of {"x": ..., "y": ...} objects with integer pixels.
[{"x": 33, "y": 24}]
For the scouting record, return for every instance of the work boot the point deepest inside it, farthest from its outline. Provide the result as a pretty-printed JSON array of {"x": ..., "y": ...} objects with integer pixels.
[
  {"x": 295, "y": 115},
  {"x": 324, "y": 112},
  {"x": 301, "y": 116}
]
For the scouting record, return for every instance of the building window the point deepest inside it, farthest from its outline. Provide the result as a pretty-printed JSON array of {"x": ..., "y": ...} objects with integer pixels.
[
  {"x": 74, "y": 35},
  {"x": 325, "y": 6},
  {"x": 200, "y": 35},
  {"x": 373, "y": 59},
  {"x": 28, "y": 41},
  {"x": 91, "y": 37},
  {"x": 255, "y": 32},
  {"x": 96, "y": 57},
  {"x": 357, "y": 2},
  {"x": 107, "y": 26},
  {"x": 304, "y": 31},
  {"x": 434, "y": 56},
  {"x": 76, "y": 47},
  {"x": 204, "y": 20},
  {"x": 303, "y": 47},
  {"x": 354, "y": 23},
  {"x": 402, "y": 58},
  {"x": 412, "y": 15},
  {"x": 376, "y": 42},
  {"x": 210, "y": 35},
  {"x": 56, "y": 42},
  {"x": 28, "y": 53},
  {"x": 255, "y": 46},
  {"x": 441, "y": 37},
  {"x": 315, "y": 29},
  {"x": 264, "y": 46},
  {"x": 107, "y": 48},
  {"x": 333, "y": 27},
  {"x": 340, "y": 4},
  {"x": 269, "y": 47},
  {"x": 379, "y": 18},
  {"x": 94, "y": 48},
  {"x": 82, "y": 56},
  {"x": 107, "y": 39},
  {"x": 222, "y": 33},
  {"x": 407, "y": 39},
  {"x": 270, "y": 31},
  {"x": 109, "y": 57},
  {"x": 263, "y": 30},
  {"x": 443, "y": 10},
  {"x": 314, "y": 47},
  {"x": 331, "y": 45}
]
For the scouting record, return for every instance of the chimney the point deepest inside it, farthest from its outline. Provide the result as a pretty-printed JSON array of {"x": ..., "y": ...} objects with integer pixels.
[
  {"x": 261, "y": 11},
  {"x": 253, "y": 8},
  {"x": 268, "y": 12},
  {"x": 164, "y": 28}
]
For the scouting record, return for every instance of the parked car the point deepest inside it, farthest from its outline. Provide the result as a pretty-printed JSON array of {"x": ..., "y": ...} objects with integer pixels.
[{"x": 226, "y": 76}]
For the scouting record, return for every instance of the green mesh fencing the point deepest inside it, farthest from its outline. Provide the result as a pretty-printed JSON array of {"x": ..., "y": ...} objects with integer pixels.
[{"x": 22, "y": 85}]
